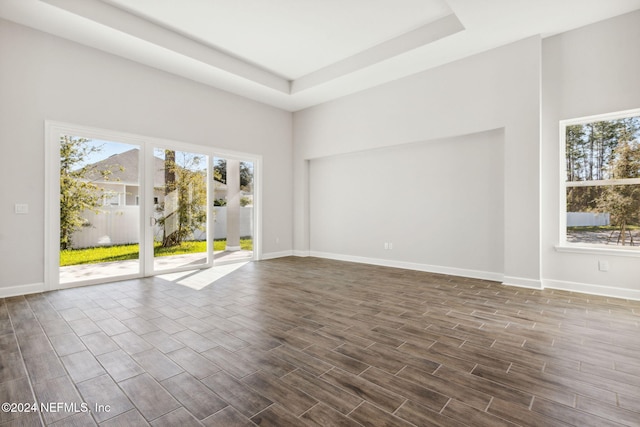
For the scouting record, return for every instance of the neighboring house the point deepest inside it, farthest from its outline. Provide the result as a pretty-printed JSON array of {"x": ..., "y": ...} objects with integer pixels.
[
  {"x": 118, "y": 217},
  {"x": 121, "y": 186}
]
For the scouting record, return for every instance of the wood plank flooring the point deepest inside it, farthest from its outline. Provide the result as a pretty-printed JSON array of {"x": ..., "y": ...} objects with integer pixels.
[{"x": 312, "y": 342}]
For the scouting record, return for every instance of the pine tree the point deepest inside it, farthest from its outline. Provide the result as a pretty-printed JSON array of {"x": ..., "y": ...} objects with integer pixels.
[{"x": 623, "y": 201}]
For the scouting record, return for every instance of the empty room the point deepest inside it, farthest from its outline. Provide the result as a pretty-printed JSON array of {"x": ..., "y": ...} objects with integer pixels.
[{"x": 318, "y": 213}]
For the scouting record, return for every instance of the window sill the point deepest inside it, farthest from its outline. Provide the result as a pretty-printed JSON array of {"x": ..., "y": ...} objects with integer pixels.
[{"x": 599, "y": 250}]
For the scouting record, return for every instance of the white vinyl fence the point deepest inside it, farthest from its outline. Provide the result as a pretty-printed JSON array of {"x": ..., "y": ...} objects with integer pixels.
[
  {"x": 118, "y": 225},
  {"x": 587, "y": 219}
]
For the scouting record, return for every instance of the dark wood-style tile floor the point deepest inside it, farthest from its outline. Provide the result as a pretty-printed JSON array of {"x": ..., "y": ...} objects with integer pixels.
[{"x": 304, "y": 341}]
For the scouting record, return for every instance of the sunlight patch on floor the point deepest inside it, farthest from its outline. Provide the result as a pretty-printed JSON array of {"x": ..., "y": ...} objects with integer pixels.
[{"x": 200, "y": 279}]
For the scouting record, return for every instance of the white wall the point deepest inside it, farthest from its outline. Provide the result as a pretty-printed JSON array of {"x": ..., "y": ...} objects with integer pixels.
[
  {"x": 436, "y": 202},
  {"x": 44, "y": 77},
  {"x": 499, "y": 89},
  {"x": 588, "y": 71}
]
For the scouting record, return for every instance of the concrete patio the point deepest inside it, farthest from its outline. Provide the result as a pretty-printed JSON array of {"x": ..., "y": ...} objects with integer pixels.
[{"x": 84, "y": 272}]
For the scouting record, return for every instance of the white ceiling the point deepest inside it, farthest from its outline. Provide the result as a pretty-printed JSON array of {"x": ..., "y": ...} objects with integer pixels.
[
  {"x": 289, "y": 37},
  {"x": 297, "y": 53}
]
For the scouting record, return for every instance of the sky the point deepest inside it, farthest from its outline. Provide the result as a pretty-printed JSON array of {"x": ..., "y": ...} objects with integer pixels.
[{"x": 108, "y": 149}]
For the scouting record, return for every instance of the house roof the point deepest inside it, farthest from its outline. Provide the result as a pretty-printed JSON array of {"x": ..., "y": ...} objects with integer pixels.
[{"x": 124, "y": 169}]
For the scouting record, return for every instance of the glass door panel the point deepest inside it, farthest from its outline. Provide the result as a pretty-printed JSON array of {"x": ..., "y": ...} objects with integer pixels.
[
  {"x": 233, "y": 188},
  {"x": 180, "y": 237},
  {"x": 120, "y": 206},
  {"x": 99, "y": 209}
]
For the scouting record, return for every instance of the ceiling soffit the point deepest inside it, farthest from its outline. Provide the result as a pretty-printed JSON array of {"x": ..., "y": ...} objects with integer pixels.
[{"x": 109, "y": 14}]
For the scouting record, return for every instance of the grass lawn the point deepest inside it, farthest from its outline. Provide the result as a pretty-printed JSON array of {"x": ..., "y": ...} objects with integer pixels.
[
  {"x": 124, "y": 252},
  {"x": 601, "y": 228}
]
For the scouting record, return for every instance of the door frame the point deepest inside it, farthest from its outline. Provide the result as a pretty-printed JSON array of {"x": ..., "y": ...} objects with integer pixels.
[{"x": 53, "y": 130}]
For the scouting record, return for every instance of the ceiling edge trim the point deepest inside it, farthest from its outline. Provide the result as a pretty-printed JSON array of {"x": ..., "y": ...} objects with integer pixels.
[
  {"x": 132, "y": 25},
  {"x": 419, "y": 37}
]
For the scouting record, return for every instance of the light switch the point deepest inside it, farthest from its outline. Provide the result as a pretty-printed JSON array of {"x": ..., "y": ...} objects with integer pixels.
[
  {"x": 22, "y": 209},
  {"x": 603, "y": 265}
]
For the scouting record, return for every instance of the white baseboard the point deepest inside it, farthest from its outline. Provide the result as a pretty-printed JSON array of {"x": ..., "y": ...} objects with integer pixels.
[
  {"x": 301, "y": 253},
  {"x": 273, "y": 255},
  {"x": 452, "y": 271},
  {"x": 585, "y": 288},
  {"x": 522, "y": 282},
  {"x": 606, "y": 291},
  {"x": 12, "y": 291}
]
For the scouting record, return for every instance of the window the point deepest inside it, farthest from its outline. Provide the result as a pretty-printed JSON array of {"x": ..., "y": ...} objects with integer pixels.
[
  {"x": 601, "y": 182},
  {"x": 111, "y": 198}
]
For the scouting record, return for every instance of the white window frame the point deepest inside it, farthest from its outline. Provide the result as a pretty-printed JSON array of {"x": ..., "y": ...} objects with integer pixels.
[{"x": 564, "y": 245}]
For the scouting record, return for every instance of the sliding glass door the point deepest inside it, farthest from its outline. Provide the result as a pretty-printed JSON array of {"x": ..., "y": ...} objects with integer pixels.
[
  {"x": 122, "y": 206},
  {"x": 234, "y": 183},
  {"x": 99, "y": 233},
  {"x": 180, "y": 209}
]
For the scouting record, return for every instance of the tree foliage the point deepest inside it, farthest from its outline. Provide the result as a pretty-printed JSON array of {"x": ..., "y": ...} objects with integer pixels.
[
  {"x": 593, "y": 153},
  {"x": 184, "y": 208},
  {"x": 623, "y": 201},
  {"x": 77, "y": 193},
  {"x": 590, "y": 148},
  {"x": 605, "y": 150},
  {"x": 246, "y": 173}
]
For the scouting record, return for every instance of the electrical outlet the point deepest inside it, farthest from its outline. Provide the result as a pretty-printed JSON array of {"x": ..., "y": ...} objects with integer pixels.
[
  {"x": 390, "y": 245},
  {"x": 603, "y": 265},
  {"x": 386, "y": 246}
]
